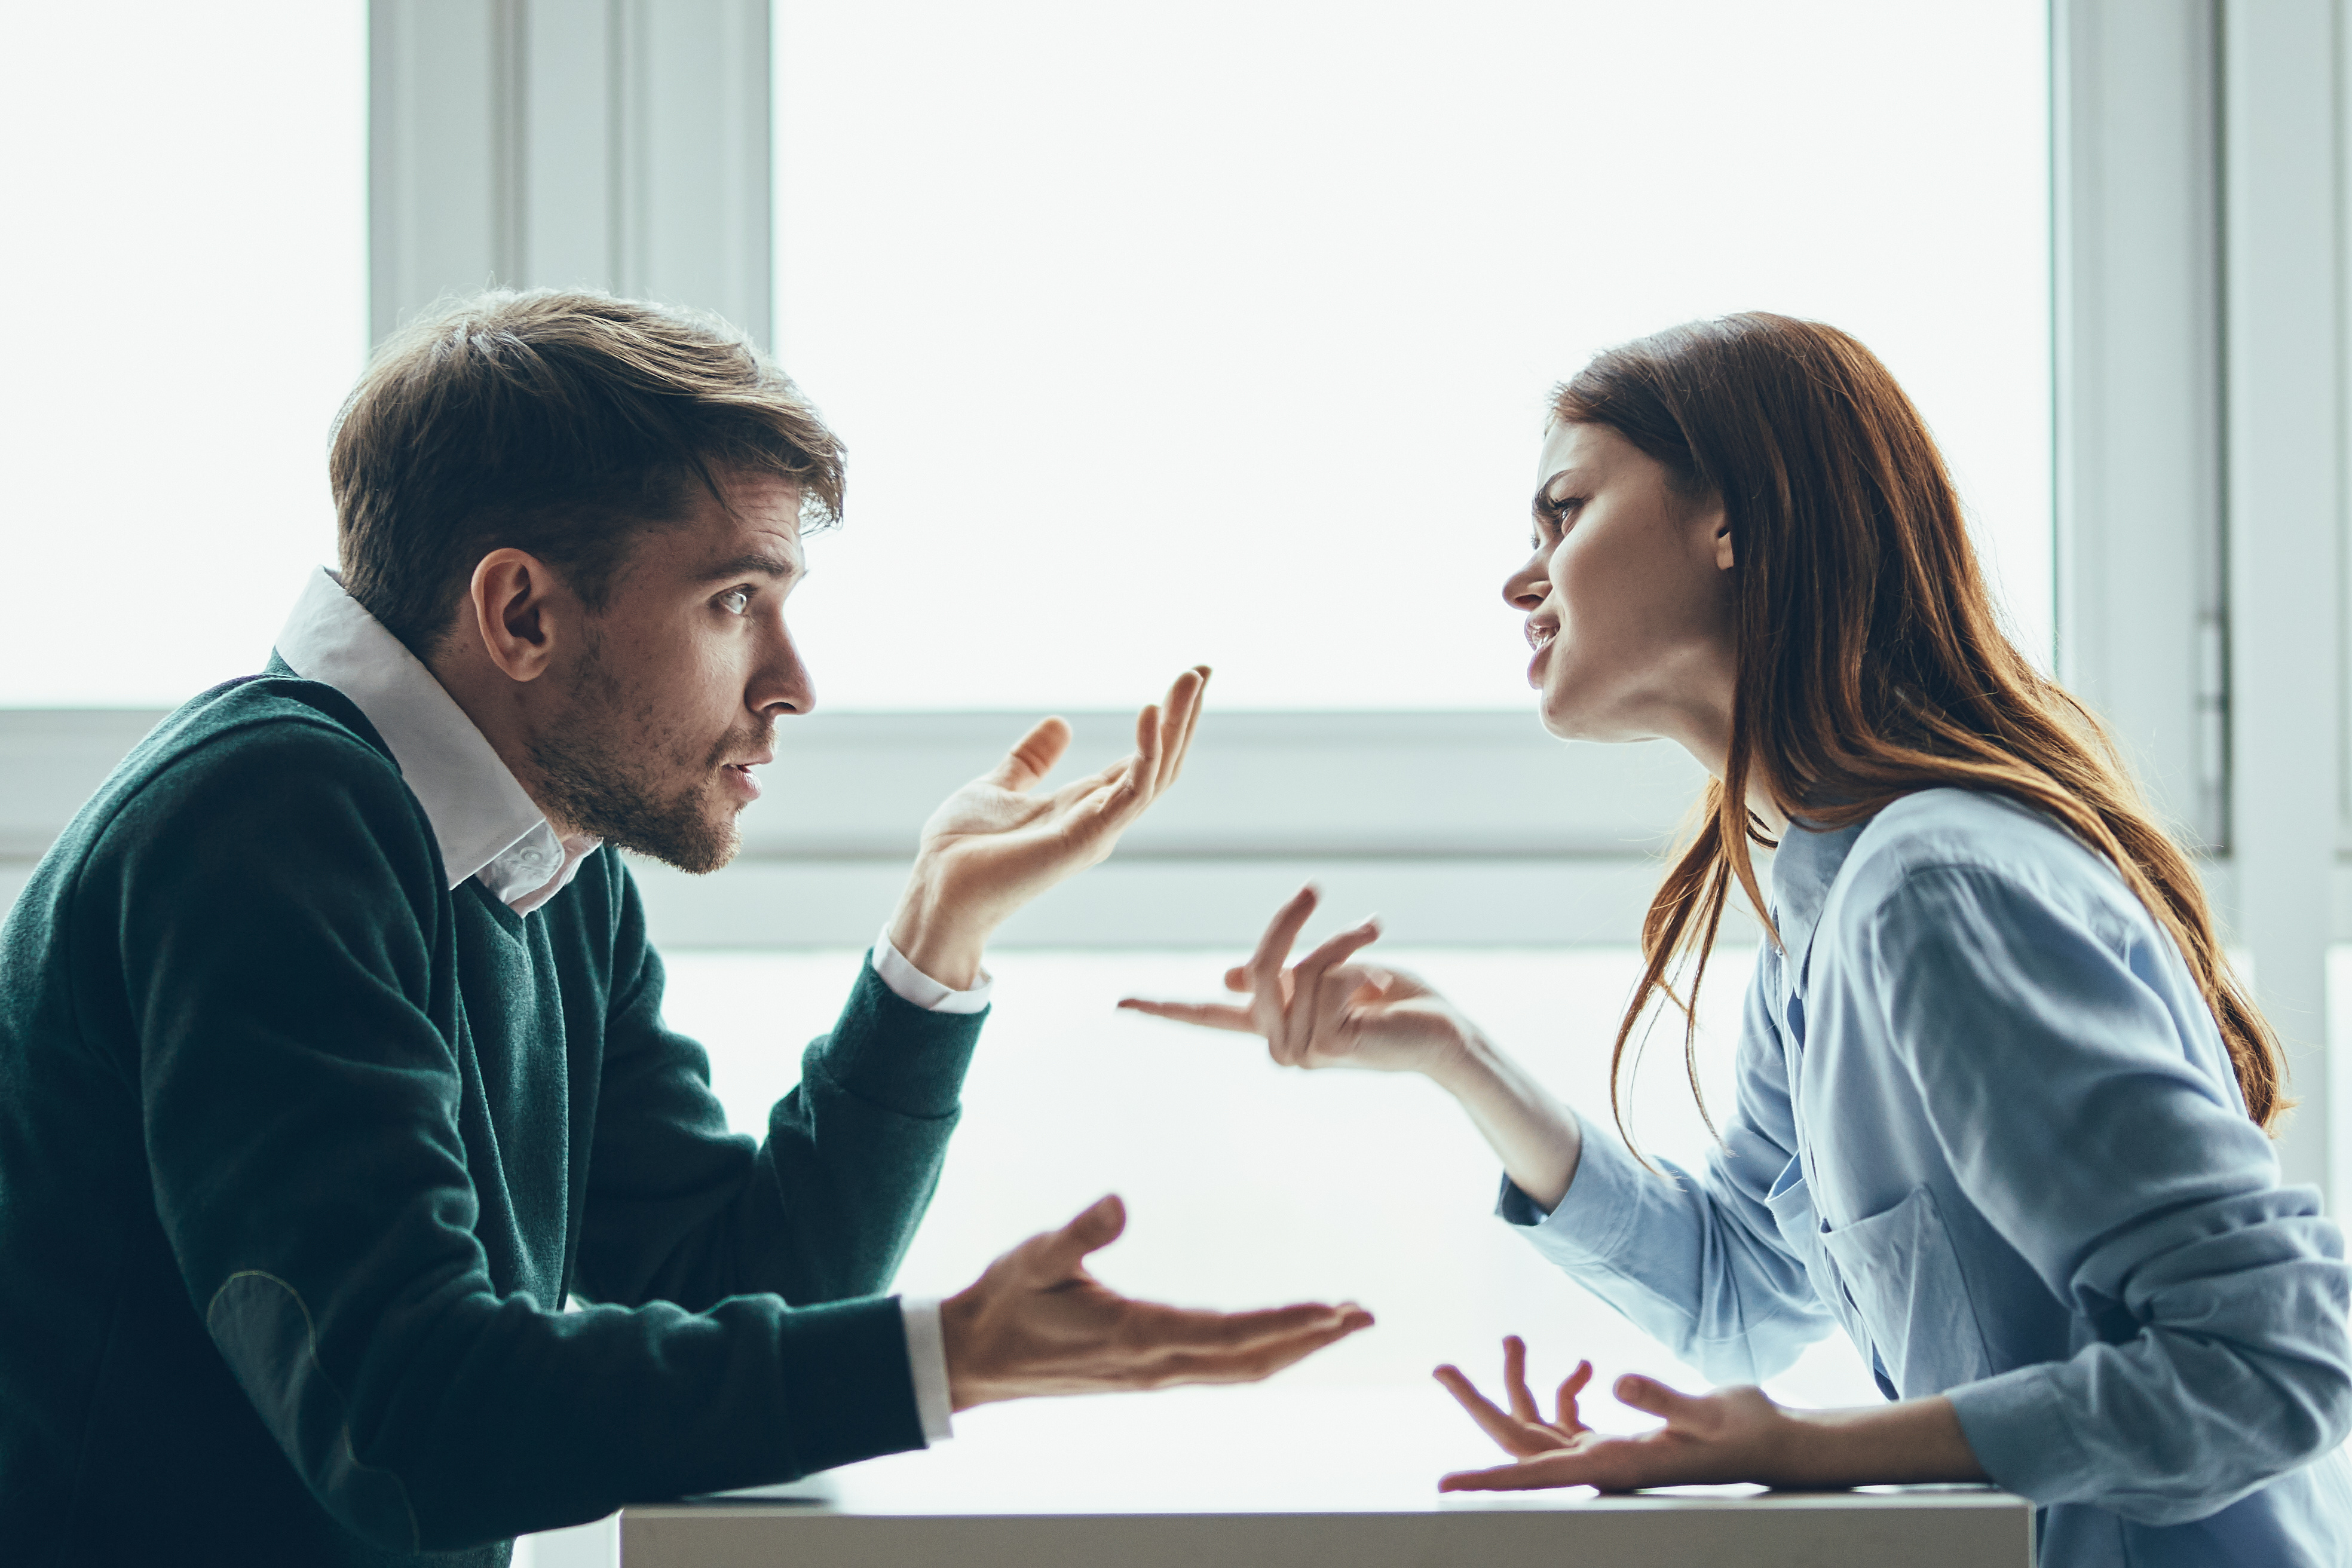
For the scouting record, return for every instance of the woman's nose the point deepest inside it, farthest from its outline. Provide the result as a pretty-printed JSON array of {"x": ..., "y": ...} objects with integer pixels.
[{"x": 1526, "y": 588}]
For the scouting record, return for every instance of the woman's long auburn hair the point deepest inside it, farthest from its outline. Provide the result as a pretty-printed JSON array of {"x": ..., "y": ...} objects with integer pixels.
[{"x": 1870, "y": 660}]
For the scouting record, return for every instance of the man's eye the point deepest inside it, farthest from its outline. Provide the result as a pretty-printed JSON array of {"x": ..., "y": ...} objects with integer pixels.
[{"x": 735, "y": 601}]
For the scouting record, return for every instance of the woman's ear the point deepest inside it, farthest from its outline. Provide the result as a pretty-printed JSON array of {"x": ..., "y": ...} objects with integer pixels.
[{"x": 1723, "y": 561}]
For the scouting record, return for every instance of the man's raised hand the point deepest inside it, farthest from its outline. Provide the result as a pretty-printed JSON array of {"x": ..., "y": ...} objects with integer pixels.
[
  {"x": 994, "y": 845},
  {"x": 1037, "y": 1323}
]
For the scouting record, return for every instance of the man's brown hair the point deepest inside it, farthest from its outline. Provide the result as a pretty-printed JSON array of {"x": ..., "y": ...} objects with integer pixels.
[{"x": 566, "y": 425}]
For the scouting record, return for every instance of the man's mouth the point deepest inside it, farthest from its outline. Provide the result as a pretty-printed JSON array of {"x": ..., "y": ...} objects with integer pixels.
[{"x": 738, "y": 775}]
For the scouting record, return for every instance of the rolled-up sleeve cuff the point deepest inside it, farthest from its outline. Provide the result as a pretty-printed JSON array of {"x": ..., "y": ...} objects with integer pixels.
[
  {"x": 927, "y": 1359},
  {"x": 910, "y": 984},
  {"x": 2020, "y": 1425},
  {"x": 1591, "y": 1221}
]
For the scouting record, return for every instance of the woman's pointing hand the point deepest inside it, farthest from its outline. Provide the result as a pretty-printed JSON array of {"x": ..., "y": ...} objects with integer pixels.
[{"x": 1327, "y": 1010}]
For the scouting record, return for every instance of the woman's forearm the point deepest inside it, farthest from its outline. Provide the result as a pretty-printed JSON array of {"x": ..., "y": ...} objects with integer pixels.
[
  {"x": 1537, "y": 1139},
  {"x": 1917, "y": 1440}
]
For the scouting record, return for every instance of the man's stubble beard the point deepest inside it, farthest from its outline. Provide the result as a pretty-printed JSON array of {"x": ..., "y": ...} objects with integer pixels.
[{"x": 593, "y": 774}]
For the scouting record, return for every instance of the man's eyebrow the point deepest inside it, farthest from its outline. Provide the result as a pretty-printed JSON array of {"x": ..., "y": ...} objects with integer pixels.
[{"x": 756, "y": 564}]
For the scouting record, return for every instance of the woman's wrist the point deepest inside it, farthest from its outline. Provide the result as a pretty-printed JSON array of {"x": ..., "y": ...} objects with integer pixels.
[{"x": 1464, "y": 1062}]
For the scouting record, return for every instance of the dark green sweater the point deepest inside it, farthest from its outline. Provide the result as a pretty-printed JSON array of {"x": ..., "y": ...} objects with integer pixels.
[{"x": 301, "y": 1153}]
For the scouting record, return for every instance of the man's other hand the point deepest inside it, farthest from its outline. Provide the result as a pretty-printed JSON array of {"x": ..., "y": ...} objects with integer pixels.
[
  {"x": 1037, "y": 1322},
  {"x": 993, "y": 846}
]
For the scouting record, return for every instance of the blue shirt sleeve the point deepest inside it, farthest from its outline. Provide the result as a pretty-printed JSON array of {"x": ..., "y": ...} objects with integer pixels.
[
  {"x": 2127, "y": 1174},
  {"x": 1694, "y": 1260}
]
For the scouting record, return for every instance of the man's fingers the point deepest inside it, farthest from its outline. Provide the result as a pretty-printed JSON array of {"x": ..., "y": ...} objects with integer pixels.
[
  {"x": 1033, "y": 756},
  {"x": 1176, "y": 725},
  {"x": 1175, "y": 1329},
  {"x": 1097, "y": 1227},
  {"x": 1207, "y": 1014},
  {"x": 1244, "y": 1366},
  {"x": 1184, "y": 747},
  {"x": 1150, "y": 746},
  {"x": 1513, "y": 1436}
]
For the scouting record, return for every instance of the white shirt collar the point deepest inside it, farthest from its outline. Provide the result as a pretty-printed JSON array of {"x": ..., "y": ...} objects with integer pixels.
[{"x": 485, "y": 825}]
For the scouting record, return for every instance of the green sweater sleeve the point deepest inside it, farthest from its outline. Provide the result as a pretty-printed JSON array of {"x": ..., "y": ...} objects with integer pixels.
[
  {"x": 825, "y": 1209},
  {"x": 283, "y": 942}
]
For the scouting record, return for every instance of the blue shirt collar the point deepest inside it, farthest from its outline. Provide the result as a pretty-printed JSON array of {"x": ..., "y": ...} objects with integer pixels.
[{"x": 1803, "y": 868}]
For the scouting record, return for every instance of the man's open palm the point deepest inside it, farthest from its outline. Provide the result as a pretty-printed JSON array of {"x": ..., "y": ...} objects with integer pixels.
[{"x": 996, "y": 843}]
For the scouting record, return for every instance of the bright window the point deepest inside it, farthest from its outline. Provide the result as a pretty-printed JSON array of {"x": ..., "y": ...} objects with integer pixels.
[
  {"x": 1222, "y": 332},
  {"x": 187, "y": 208}
]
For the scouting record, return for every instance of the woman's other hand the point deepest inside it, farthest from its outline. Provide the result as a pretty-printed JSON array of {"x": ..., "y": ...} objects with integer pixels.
[
  {"x": 1728, "y": 1436},
  {"x": 1326, "y": 1010}
]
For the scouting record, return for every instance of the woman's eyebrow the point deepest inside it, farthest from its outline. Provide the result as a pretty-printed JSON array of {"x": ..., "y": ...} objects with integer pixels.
[{"x": 1550, "y": 508}]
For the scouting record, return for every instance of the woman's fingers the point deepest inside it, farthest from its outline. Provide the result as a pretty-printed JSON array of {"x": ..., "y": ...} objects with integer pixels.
[
  {"x": 1313, "y": 1015},
  {"x": 1652, "y": 1397},
  {"x": 1562, "y": 1468},
  {"x": 1514, "y": 1436},
  {"x": 1569, "y": 1420},
  {"x": 1207, "y": 1014},
  {"x": 1265, "y": 967},
  {"x": 1514, "y": 1381}
]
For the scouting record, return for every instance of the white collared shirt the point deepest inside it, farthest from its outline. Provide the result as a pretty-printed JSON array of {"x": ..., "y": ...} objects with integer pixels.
[{"x": 487, "y": 828}]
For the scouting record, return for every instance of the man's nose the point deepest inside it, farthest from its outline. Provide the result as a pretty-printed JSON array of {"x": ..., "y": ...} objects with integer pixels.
[{"x": 782, "y": 685}]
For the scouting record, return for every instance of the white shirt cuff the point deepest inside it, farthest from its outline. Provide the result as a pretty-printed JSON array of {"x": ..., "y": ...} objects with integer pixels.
[
  {"x": 911, "y": 985},
  {"x": 926, "y": 1359}
]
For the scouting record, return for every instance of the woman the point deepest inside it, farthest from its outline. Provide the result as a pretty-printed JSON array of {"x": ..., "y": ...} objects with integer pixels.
[{"x": 2001, "y": 1108}]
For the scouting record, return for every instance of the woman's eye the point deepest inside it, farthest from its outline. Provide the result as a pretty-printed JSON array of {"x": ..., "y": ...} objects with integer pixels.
[{"x": 735, "y": 601}]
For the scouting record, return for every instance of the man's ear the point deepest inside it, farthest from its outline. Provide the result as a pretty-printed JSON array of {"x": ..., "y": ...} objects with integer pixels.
[{"x": 518, "y": 606}]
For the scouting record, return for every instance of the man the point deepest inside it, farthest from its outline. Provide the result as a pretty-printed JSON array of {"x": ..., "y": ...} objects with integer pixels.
[{"x": 331, "y": 1055}]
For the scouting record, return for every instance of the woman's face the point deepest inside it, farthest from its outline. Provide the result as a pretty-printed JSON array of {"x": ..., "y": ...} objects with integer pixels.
[{"x": 1628, "y": 599}]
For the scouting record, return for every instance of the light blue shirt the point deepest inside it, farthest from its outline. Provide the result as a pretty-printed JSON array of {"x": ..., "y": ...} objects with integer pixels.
[{"x": 1986, "y": 1124}]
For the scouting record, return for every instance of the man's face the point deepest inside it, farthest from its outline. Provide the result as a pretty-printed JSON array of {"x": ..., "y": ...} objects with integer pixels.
[{"x": 670, "y": 699}]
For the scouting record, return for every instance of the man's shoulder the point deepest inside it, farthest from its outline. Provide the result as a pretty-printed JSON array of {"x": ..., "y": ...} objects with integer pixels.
[{"x": 261, "y": 755}]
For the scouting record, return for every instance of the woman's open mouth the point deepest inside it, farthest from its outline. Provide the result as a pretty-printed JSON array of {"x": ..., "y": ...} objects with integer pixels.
[{"x": 1540, "y": 636}]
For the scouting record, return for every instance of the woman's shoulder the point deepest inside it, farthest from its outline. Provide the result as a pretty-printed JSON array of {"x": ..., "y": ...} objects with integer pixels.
[{"x": 1943, "y": 834}]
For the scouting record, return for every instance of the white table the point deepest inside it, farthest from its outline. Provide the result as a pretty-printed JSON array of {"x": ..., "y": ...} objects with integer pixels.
[{"x": 1299, "y": 1477}]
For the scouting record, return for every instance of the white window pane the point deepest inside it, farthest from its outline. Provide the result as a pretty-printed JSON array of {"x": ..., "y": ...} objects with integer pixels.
[
  {"x": 187, "y": 208},
  {"x": 1247, "y": 1185},
  {"x": 1223, "y": 330}
]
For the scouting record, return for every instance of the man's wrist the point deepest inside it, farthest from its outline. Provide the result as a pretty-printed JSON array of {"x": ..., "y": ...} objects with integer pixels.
[{"x": 934, "y": 932}]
